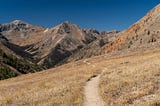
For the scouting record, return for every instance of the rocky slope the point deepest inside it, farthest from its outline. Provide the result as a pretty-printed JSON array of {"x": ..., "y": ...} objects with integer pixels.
[{"x": 144, "y": 34}]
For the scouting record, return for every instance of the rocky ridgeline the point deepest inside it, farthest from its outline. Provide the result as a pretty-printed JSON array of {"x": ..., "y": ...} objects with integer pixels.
[
  {"x": 16, "y": 25},
  {"x": 50, "y": 46}
]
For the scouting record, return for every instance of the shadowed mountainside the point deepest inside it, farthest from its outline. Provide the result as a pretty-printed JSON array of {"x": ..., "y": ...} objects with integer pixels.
[{"x": 11, "y": 64}]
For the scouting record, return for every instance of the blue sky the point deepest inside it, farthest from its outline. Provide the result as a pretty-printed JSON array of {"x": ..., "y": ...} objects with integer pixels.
[{"x": 98, "y": 14}]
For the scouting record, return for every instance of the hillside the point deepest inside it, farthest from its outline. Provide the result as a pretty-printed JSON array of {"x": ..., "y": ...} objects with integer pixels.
[{"x": 142, "y": 35}]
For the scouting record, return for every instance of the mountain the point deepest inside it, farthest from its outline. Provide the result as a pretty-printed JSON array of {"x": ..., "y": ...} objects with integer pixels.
[
  {"x": 66, "y": 40},
  {"x": 51, "y": 46},
  {"x": 60, "y": 42},
  {"x": 143, "y": 35}
]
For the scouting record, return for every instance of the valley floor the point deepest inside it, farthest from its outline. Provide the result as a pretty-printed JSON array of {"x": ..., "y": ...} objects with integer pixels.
[{"x": 126, "y": 80}]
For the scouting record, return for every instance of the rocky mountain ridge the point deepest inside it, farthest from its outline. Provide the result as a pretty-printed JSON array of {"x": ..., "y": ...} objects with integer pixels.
[{"x": 49, "y": 46}]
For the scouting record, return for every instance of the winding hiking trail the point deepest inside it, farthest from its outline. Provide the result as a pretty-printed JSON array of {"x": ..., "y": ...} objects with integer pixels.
[{"x": 92, "y": 97}]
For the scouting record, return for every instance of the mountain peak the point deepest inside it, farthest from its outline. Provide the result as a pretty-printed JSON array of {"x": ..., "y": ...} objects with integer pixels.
[
  {"x": 66, "y": 23},
  {"x": 17, "y": 22},
  {"x": 66, "y": 27},
  {"x": 14, "y": 25}
]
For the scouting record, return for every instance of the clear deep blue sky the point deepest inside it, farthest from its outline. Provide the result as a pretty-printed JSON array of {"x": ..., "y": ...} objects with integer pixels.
[{"x": 98, "y": 14}]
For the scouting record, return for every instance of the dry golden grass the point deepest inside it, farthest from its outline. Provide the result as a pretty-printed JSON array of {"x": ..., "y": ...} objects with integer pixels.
[
  {"x": 130, "y": 80},
  {"x": 62, "y": 86},
  {"x": 133, "y": 80}
]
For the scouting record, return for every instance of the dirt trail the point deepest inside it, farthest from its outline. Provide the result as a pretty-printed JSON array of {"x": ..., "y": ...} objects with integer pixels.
[{"x": 92, "y": 96}]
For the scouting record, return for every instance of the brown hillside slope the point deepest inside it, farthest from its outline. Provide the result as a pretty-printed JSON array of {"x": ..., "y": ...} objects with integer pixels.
[{"x": 142, "y": 35}]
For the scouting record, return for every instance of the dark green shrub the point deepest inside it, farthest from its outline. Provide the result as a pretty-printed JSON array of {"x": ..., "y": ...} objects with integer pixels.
[
  {"x": 6, "y": 73},
  {"x": 22, "y": 66}
]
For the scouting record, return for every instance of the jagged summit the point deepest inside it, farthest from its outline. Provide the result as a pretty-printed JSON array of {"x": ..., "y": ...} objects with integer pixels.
[
  {"x": 67, "y": 23},
  {"x": 14, "y": 25},
  {"x": 16, "y": 22},
  {"x": 66, "y": 27}
]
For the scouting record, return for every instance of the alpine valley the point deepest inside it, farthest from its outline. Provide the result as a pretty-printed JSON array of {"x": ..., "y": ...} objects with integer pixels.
[{"x": 70, "y": 66}]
